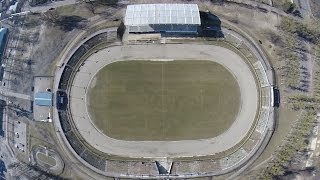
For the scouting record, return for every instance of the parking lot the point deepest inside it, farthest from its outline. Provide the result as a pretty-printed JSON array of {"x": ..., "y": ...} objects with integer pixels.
[{"x": 20, "y": 136}]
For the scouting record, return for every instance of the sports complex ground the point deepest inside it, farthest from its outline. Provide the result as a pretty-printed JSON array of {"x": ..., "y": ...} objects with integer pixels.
[
  {"x": 234, "y": 134},
  {"x": 97, "y": 150},
  {"x": 163, "y": 100}
]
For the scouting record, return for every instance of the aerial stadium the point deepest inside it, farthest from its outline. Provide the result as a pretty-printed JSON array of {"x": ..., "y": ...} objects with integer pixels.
[{"x": 163, "y": 103}]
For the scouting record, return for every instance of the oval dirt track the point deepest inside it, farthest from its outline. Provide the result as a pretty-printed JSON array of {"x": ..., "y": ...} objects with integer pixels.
[{"x": 184, "y": 148}]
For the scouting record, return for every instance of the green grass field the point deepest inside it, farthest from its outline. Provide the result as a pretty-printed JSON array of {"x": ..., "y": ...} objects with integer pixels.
[{"x": 163, "y": 100}]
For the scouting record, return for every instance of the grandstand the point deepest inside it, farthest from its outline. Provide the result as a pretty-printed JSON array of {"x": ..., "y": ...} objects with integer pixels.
[
  {"x": 2, "y": 106},
  {"x": 262, "y": 76},
  {"x": 263, "y": 120},
  {"x": 168, "y": 18},
  {"x": 93, "y": 159},
  {"x": 233, "y": 159}
]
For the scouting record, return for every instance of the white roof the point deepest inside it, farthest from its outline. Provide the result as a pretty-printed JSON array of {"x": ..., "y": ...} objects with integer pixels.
[
  {"x": 13, "y": 7},
  {"x": 144, "y": 14}
]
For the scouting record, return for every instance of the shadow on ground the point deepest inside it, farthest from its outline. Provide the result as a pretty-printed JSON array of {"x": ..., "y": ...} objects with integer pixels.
[{"x": 210, "y": 25}]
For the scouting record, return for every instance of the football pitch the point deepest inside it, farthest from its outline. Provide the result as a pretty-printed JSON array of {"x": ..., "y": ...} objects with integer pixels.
[{"x": 163, "y": 100}]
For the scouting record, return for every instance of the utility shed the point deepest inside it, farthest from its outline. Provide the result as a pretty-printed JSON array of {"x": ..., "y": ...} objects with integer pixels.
[
  {"x": 170, "y": 18},
  {"x": 43, "y": 99}
]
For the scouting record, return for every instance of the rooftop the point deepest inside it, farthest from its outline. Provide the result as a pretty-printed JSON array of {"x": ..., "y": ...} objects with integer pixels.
[
  {"x": 43, "y": 99},
  {"x": 144, "y": 14},
  {"x": 3, "y": 33}
]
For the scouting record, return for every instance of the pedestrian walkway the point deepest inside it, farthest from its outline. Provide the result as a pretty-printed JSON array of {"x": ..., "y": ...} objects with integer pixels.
[{"x": 6, "y": 92}]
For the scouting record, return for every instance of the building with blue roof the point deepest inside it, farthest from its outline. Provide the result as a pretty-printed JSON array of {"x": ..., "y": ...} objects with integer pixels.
[
  {"x": 43, "y": 98},
  {"x": 3, "y": 40}
]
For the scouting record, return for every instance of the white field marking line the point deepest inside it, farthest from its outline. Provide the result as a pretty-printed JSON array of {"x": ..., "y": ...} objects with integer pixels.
[
  {"x": 162, "y": 99},
  {"x": 161, "y": 60}
]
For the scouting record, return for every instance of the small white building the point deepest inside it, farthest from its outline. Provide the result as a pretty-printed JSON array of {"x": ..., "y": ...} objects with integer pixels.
[
  {"x": 13, "y": 8},
  {"x": 169, "y": 18}
]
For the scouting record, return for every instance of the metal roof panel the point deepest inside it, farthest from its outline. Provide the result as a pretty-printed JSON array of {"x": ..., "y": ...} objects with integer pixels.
[
  {"x": 43, "y": 99},
  {"x": 144, "y": 14}
]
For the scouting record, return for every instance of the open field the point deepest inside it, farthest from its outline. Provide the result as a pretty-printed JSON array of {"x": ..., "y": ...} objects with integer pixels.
[{"x": 164, "y": 100}]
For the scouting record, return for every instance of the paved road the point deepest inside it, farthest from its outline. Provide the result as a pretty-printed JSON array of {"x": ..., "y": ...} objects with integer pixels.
[
  {"x": 229, "y": 59},
  {"x": 305, "y": 7},
  {"x": 259, "y": 5},
  {"x": 6, "y": 158},
  {"x": 306, "y": 56},
  {"x": 6, "y": 92}
]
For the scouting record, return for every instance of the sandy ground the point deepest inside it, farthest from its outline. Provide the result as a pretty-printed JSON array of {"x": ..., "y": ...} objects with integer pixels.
[{"x": 227, "y": 58}]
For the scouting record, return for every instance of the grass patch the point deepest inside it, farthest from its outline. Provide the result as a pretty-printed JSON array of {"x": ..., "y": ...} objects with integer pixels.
[
  {"x": 74, "y": 10},
  {"x": 153, "y": 100}
]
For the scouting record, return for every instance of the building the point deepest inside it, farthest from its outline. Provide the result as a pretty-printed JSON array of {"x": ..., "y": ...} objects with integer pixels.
[
  {"x": 13, "y": 8},
  {"x": 3, "y": 40},
  {"x": 162, "y": 18},
  {"x": 43, "y": 99}
]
